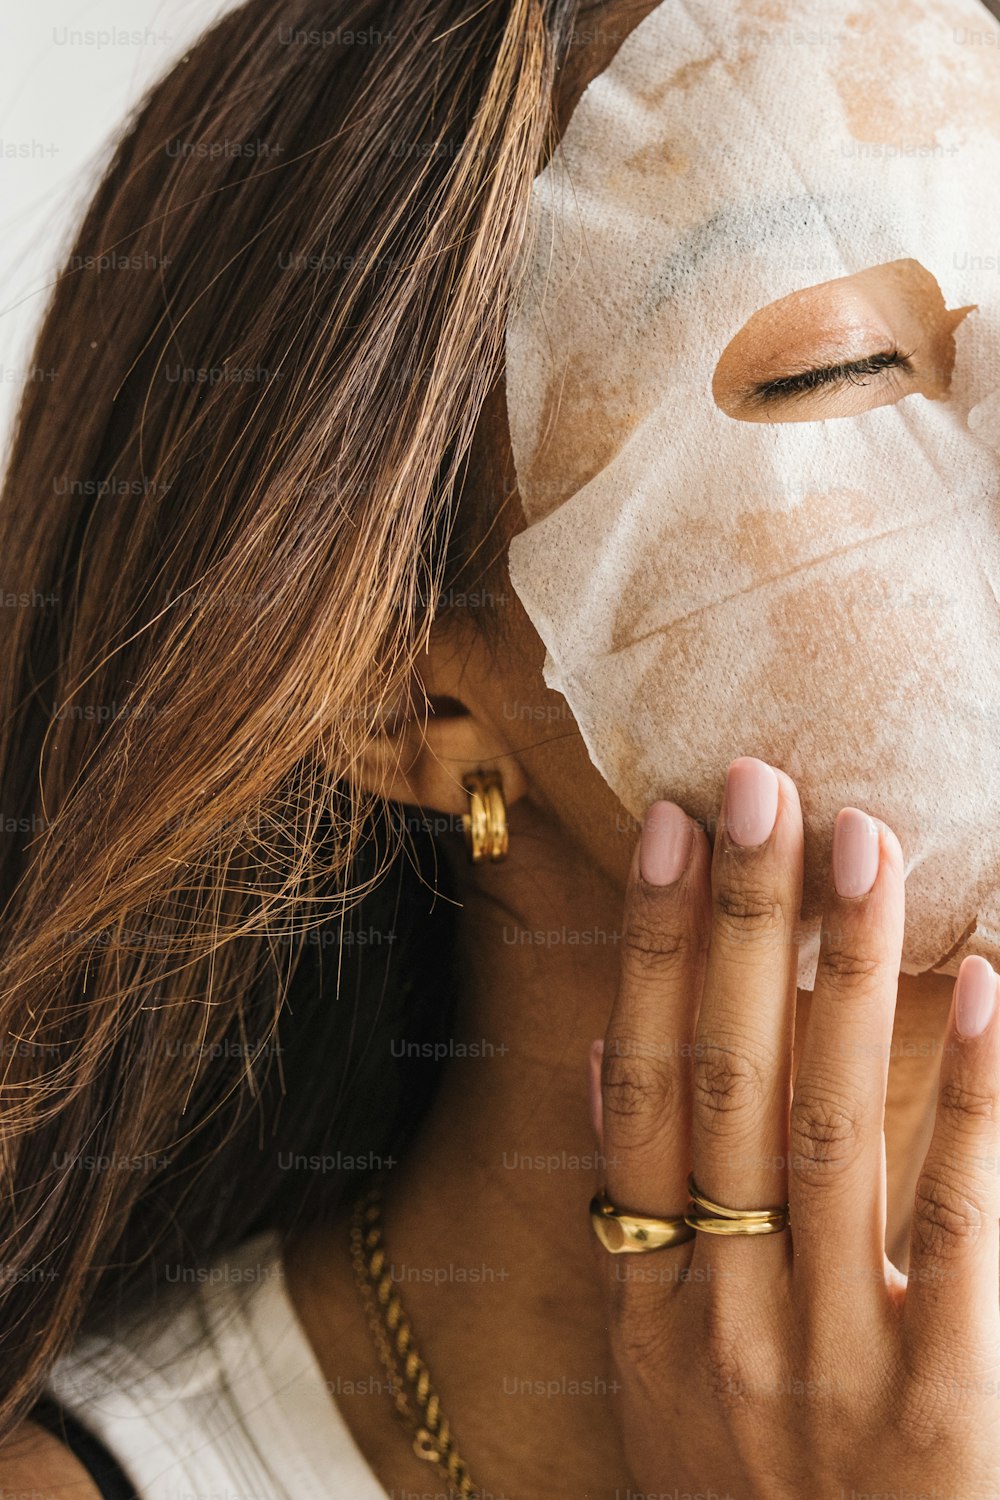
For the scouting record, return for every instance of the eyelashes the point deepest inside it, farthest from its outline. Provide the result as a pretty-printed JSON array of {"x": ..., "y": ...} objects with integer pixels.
[{"x": 853, "y": 372}]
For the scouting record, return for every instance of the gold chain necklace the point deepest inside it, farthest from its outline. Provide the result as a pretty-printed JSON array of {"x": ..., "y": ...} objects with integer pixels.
[{"x": 431, "y": 1436}]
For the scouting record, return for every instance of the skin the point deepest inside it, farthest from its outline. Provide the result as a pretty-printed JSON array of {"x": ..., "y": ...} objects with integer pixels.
[{"x": 845, "y": 319}]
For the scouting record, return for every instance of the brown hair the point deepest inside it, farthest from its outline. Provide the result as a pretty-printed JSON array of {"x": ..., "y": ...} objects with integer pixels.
[{"x": 226, "y": 528}]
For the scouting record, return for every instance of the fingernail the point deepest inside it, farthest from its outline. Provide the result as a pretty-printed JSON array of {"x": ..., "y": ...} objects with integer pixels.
[
  {"x": 596, "y": 1114},
  {"x": 750, "y": 801},
  {"x": 855, "y": 852},
  {"x": 665, "y": 843},
  {"x": 975, "y": 996}
]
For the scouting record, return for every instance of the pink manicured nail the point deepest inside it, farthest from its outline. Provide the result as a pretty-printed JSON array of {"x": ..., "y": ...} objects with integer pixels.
[
  {"x": 750, "y": 801},
  {"x": 596, "y": 1113},
  {"x": 855, "y": 852},
  {"x": 665, "y": 843},
  {"x": 975, "y": 996}
]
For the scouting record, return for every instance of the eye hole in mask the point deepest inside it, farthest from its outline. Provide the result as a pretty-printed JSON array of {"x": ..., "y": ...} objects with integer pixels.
[{"x": 841, "y": 348}]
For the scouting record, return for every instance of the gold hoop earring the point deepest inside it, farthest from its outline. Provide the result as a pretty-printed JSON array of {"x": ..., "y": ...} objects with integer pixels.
[{"x": 485, "y": 823}]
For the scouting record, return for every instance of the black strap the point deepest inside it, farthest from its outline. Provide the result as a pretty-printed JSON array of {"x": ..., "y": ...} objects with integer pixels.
[{"x": 104, "y": 1468}]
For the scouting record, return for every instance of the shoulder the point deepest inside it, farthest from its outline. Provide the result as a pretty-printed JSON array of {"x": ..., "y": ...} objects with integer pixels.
[
  {"x": 33, "y": 1461},
  {"x": 170, "y": 1348},
  {"x": 149, "y": 1385}
]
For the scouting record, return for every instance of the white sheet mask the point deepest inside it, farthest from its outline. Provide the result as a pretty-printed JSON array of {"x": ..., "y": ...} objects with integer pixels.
[{"x": 822, "y": 592}]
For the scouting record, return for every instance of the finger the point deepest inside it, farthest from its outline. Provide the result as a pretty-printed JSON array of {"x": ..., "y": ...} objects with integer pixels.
[
  {"x": 951, "y": 1309},
  {"x": 836, "y": 1179},
  {"x": 743, "y": 1044},
  {"x": 645, "y": 1068}
]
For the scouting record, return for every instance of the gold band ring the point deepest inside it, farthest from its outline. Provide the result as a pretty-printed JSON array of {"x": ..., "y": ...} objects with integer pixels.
[
  {"x": 716, "y": 1218},
  {"x": 622, "y": 1232}
]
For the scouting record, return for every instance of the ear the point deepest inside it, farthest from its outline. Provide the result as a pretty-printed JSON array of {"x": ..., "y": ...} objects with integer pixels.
[{"x": 443, "y": 725}]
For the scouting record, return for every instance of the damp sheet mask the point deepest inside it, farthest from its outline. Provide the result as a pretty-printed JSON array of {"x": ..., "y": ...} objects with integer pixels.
[{"x": 721, "y": 559}]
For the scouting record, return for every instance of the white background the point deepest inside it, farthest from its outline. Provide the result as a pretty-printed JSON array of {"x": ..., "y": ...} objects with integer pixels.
[{"x": 63, "y": 102}]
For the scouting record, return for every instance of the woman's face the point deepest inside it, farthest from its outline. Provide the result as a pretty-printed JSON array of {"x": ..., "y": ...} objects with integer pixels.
[
  {"x": 835, "y": 348},
  {"x": 734, "y": 465}
]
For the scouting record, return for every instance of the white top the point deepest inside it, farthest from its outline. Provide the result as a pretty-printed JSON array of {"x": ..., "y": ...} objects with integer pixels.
[{"x": 215, "y": 1392}]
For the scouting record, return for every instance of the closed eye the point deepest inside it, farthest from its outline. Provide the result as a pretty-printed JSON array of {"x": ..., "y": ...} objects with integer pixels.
[{"x": 802, "y": 382}]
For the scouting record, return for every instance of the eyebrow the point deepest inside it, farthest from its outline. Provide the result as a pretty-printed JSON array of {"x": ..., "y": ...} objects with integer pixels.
[{"x": 801, "y": 382}]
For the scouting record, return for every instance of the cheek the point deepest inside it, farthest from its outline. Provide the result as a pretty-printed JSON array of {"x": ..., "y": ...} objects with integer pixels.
[
  {"x": 757, "y": 543},
  {"x": 592, "y": 822},
  {"x": 564, "y": 784},
  {"x": 586, "y": 418},
  {"x": 774, "y": 539}
]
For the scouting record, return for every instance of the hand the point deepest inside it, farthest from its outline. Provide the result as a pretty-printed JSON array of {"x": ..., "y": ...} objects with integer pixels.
[{"x": 799, "y": 1363}]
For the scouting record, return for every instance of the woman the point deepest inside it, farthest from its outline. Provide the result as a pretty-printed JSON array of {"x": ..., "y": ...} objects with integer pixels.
[{"x": 271, "y": 637}]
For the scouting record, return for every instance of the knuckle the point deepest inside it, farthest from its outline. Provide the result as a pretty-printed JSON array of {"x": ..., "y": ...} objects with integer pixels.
[
  {"x": 727, "y": 1373},
  {"x": 651, "y": 950},
  {"x": 728, "y": 1086},
  {"x": 825, "y": 1137},
  {"x": 946, "y": 1220},
  {"x": 639, "y": 1088},
  {"x": 925, "y": 1415},
  {"x": 747, "y": 912},
  {"x": 724, "y": 1357},
  {"x": 637, "y": 1319},
  {"x": 845, "y": 968},
  {"x": 738, "y": 1360},
  {"x": 935, "y": 1399},
  {"x": 832, "y": 1403},
  {"x": 963, "y": 1107}
]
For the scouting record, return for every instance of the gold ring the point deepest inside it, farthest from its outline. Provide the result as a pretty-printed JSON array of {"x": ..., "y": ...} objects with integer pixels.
[
  {"x": 623, "y": 1233},
  {"x": 714, "y": 1225},
  {"x": 716, "y": 1218}
]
